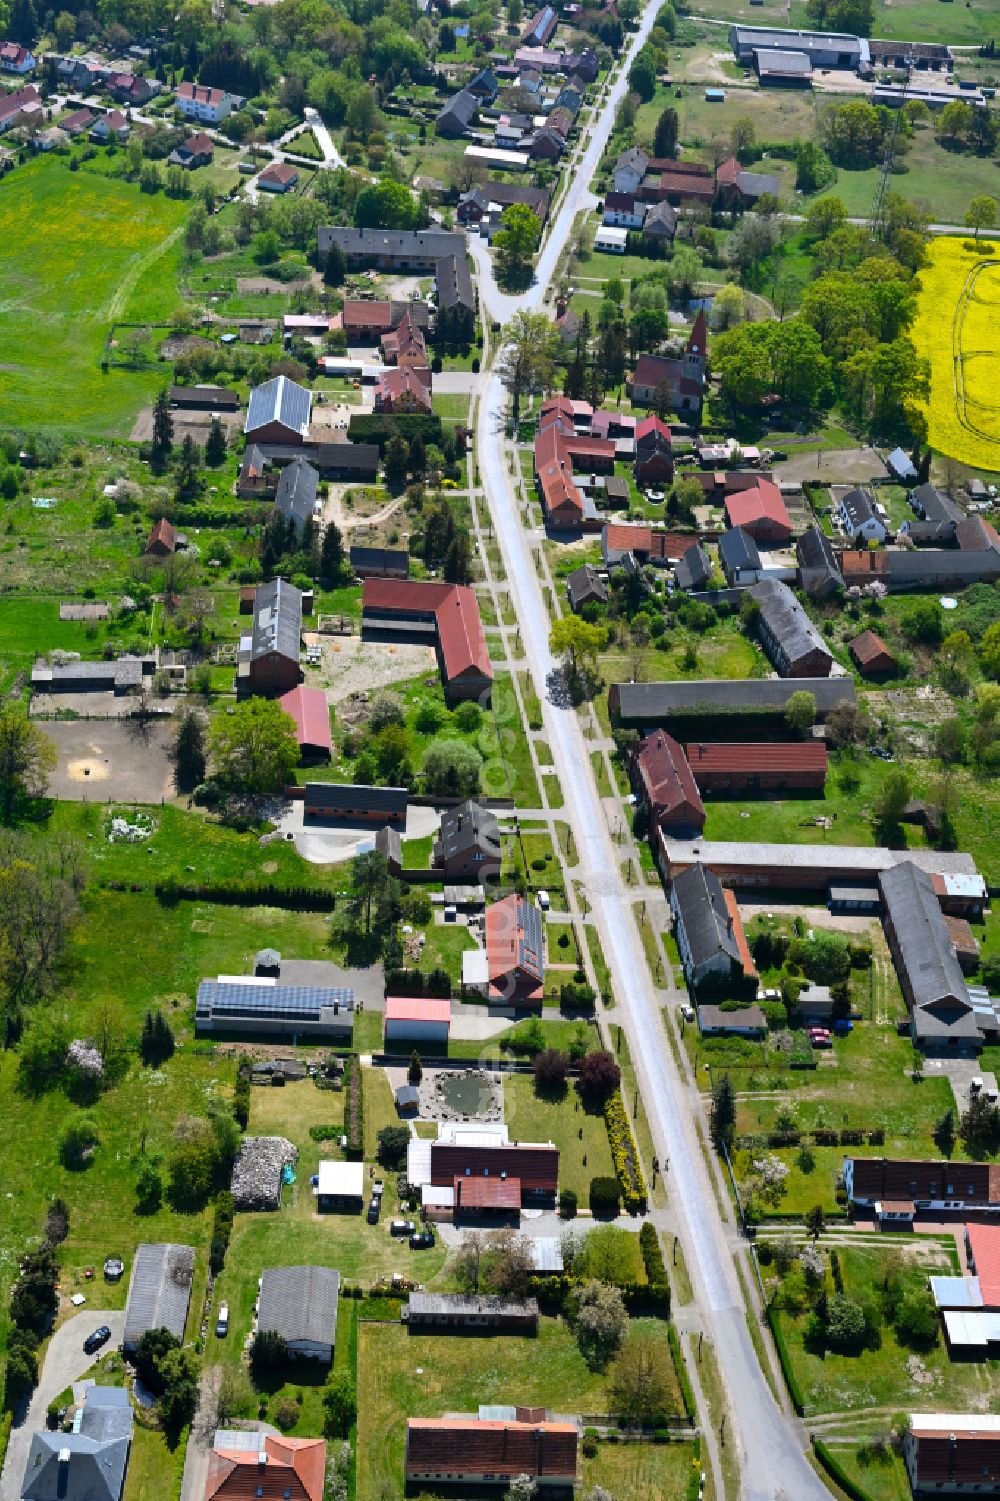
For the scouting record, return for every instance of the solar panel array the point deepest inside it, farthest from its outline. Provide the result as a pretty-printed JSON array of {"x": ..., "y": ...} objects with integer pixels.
[
  {"x": 529, "y": 952},
  {"x": 295, "y": 1002}
]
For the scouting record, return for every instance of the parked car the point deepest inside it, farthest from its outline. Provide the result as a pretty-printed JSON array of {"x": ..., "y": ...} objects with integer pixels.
[
  {"x": 97, "y": 1339},
  {"x": 842, "y": 1026},
  {"x": 688, "y": 1013},
  {"x": 823, "y": 1040},
  {"x": 401, "y": 1227},
  {"x": 374, "y": 1209},
  {"x": 422, "y": 1240},
  {"x": 222, "y": 1322}
]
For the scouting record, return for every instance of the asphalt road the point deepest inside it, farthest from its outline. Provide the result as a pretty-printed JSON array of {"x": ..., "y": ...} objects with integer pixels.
[
  {"x": 773, "y": 1465},
  {"x": 65, "y": 1362}
]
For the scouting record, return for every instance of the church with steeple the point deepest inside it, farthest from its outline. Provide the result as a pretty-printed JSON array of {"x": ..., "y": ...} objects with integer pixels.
[{"x": 677, "y": 385}]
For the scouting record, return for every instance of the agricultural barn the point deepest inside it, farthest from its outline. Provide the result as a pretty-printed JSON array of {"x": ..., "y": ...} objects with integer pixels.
[
  {"x": 942, "y": 1018},
  {"x": 452, "y": 1311},
  {"x": 639, "y": 704},
  {"x": 664, "y": 785},
  {"x": 824, "y": 49},
  {"x": 871, "y": 655},
  {"x": 491, "y": 1452},
  {"x": 279, "y": 412},
  {"x": 159, "y": 1291},
  {"x": 796, "y": 766},
  {"x": 311, "y": 713},
  {"x": 391, "y": 249},
  {"x": 787, "y": 634},
  {"x": 761, "y": 513},
  {"x": 262, "y": 1006},
  {"x": 953, "y": 1453},
  {"x": 380, "y": 562},
  {"x": 421, "y": 1019},
  {"x": 334, "y": 802},
  {"x": 445, "y": 616},
  {"x": 268, "y": 656},
  {"x": 819, "y": 571},
  {"x": 300, "y": 1304}
]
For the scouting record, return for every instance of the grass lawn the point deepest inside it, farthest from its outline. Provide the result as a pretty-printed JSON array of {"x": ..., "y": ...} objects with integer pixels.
[
  {"x": 456, "y": 1374},
  {"x": 81, "y": 252},
  {"x": 946, "y": 181},
  {"x": 656, "y": 1472},
  {"x": 580, "y": 1135},
  {"x": 508, "y": 759},
  {"x": 153, "y": 1467},
  {"x": 534, "y": 857},
  {"x": 446, "y": 943},
  {"x": 453, "y": 406},
  {"x": 882, "y": 1477}
]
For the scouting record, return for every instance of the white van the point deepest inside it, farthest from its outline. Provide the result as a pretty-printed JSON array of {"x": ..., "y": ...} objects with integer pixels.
[{"x": 222, "y": 1322}]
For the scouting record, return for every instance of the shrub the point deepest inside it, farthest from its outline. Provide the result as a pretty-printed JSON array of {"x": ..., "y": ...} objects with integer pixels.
[
  {"x": 550, "y": 1068},
  {"x": 600, "y": 1076},
  {"x": 625, "y": 1153},
  {"x": 340, "y": 1404},
  {"x": 222, "y": 1229},
  {"x": 354, "y": 1120},
  {"x": 78, "y": 1144},
  {"x": 567, "y": 1203},
  {"x": 605, "y": 1196},
  {"x": 286, "y": 1412},
  {"x": 652, "y": 1256},
  {"x": 392, "y": 1144},
  {"x": 241, "y": 1094}
]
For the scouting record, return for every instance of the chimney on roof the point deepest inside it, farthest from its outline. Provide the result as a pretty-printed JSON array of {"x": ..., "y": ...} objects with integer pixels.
[
  {"x": 63, "y": 1457},
  {"x": 262, "y": 1457}
]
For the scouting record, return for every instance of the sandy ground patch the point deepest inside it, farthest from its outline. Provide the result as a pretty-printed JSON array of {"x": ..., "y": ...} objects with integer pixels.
[
  {"x": 195, "y": 423},
  {"x": 351, "y": 518},
  {"x": 350, "y": 665},
  {"x": 849, "y": 466},
  {"x": 107, "y": 760}
]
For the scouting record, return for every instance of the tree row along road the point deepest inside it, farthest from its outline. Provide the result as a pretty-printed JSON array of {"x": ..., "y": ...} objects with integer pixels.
[{"x": 772, "y": 1459}]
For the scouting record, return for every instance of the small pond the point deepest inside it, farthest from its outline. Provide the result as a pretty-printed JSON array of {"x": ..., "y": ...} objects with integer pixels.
[{"x": 466, "y": 1094}]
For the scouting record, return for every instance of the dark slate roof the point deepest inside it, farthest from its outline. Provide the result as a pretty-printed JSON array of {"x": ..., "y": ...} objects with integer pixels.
[
  {"x": 646, "y": 703},
  {"x": 277, "y": 620},
  {"x": 701, "y": 909},
  {"x": 786, "y": 620},
  {"x": 928, "y": 566},
  {"x": 475, "y": 1306},
  {"x": 737, "y": 549},
  {"x": 693, "y": 569},
  {"x": 429, "y": 244},
  {"x": 160, "y": 1290},
  {"x": 454, "y": 283},
  {"x": 395, "y": 559},
  {"x": 469, "y": 826},
  {"x": 96, "y": 1455},
  {"x": 660, "y": 216},
  {"x": 338, "y": 797},
  {"x": 253, "y": 461},
  {"x": 300, "y": 1303},
  {"x": 279, "y": 400},
  {"x": 817, "y": 562},
  {"x": 297, "y": 490},
  {"x": 932, "y": 967},
  {"x": 328, "y": 458},
  {"x": 858, "y": 507},
  {"x": 755, "y": 184},
  {"x": 461, "y": 108},
  {"x": 585, "y": 583},
  {"x": 934, "y": 505}
]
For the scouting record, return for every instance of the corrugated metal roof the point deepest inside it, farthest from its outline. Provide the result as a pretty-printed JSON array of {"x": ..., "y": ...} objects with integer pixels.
[
  {"x": 277, "y": 620},
  {"x": 300, "y": 1303},
  {"x": 159, "y": 1291},
  {"x": 984, "y": 1248}
]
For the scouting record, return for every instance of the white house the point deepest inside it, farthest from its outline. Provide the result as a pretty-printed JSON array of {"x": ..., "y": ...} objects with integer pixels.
[
  {"x": 199, "y": 102},
  {"x": 16, "y": 59},
  {"x": 420, "y": 1019},
  {"x": 623, "y": 211},
  {"x": 859, "y": 518},
  {"x": 630, "y": 169},
  {"x": 611, "y": 241}
]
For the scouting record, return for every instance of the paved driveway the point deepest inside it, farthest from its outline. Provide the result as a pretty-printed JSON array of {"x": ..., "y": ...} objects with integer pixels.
[
  {"x": 331, "y": 844},
  {"x": 65, "y": 1362}
]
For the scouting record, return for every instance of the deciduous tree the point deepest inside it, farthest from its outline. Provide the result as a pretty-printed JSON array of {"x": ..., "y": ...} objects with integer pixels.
[{"x": 254, "y": 749}]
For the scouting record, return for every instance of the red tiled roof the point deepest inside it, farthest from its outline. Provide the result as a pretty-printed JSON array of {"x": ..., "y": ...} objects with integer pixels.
[
  {"x": 672, "y": 166},
  {"x": 487, "y": 1193},
  {"x": 279, "y": 172},
  {"x": 726, "y": 172},
  {"x": 115, "y": 120},
  {"x": 309, "y": 708},
  {"x": 360, "y": 314},
  {"x": 10, "y": 104},
  {"x": 416, "y": 1009},
  {"x": 764, "y": 503},
  {"x": 795, "y": 755},
  {"x": 476, "y": 1446},
  {"x": 969, "y": 1457},
  {"x": 199, "y": 144},
  {"x": 868, "y": 649},
  {"x": 511, "y": 948},
  {"x": 670, "y": 789},
  {"x": 536, "y": 1165},
  {"x": 200, "y": 93},
  {"x": 461, "y": 639},
  {"x": 650, "y": 426},
  {"x": 746, "y": 958},
  {"x": 295, "y": 1468},
  {"x": 163, "y": 531},
  {"x": 619, "y": 536},
  {"x": 406, "y": 380},
  {"x": 984, "y": 1244},
  {"x": 687, "y": 184}
]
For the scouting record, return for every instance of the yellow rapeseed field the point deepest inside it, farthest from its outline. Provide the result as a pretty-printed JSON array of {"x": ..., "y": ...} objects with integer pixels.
[{"x": 958, "y": 329}]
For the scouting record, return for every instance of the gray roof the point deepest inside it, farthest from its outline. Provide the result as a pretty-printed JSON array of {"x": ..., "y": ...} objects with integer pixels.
[
  {"x": 297, "y": 490},
  {"x": 646, "y": 703},
  {"x": 413, "y": 244},
  {"x": 407, "y": 1097},
  {"x": 88, "y": 1465},
  {"x": 693, "y": 569},
  {"x": 737, "y": 549},
  {"x": 660, "y": 218},
  {"x": 935, "y": 505},
  {"x": 300, "y": 1303},
  {"x": 279, "y": 400},
  {"x": 818, "y": 566},
  {"x": 900, "y": 463},
  {"x": 584, "y": 584},
  {"x": 470, "y": 826},
  {"x": 756, "y": 184},
  {"x": 454, "y": 283},
  {"x": 714, "y": 1019},
  {"x": 337, "y": 797},
  {"x": 702, "y": 911},
  {"x": 277, "y": 620},
  {"x": 778, "y": 61},
  {"x": 932, "y": 966},
  {"x": 159, "y": 1291},
  {"x": 933, "y": 567},
  {"x": 461, "y": 109},
  {"x": 328, "y": 458},
  {"x": 858, "y": 507},
  {"x": 786, "y": 621},
  {"x": 479, "y": 1306},
  {"x": 633, "y": 157}
]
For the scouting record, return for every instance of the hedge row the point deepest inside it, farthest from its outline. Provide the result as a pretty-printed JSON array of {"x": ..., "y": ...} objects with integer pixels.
[
  {"x": 638, "y": 1297},
  {"x": 838, "y": 1474},
  {"x": 239, "y": 894},
  {"x": 652, "y": 1256},
  {"x": 354, "y": 1111},
  {"x": 694, "y": 1479},
  {"x": 382, "y": 427},
  {"x": 680, "y": 1366},
  {"x": 222, "y": 1229},
  {"x": 791, "y": 1381},
  {"x": 625, "y": 1155},
  {"x": 241, "y": 1094},
  {"x": 849, "y": 1136}
]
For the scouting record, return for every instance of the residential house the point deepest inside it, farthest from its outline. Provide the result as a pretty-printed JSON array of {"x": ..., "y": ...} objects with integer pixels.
[
  {"x": 405, "y": 345},
  {"x": 379, "y": 562},
  {"x": 630, "y": 169},
  {"x": 636, "y": 705},
  {"x": 871, "y": 655},
  {"x": 269, "y": 1467},
  {"x": 257, "y": 479},
  {"x": 447, "y": 614},
  {"x": 79, "y": 121},
  {"x": 739, "y": 557},
  {"x": 819, "y": 571},
  {"x": 585, "y": 586},
  {"x": 744, "y": 769},
  {"x": 16, "y": 59},
  {"x": 787, "y": 634},
  {"x": 693, "y": 570},
  {"x": 952, "y": 1454},
  {"x": 111, "y": 126},
  {"x": 366, "y": 322},
  {"x": 159, "y": 1292},
  {"x": 624, "y": 211},
  {"x": 352, "y": 802},
  {"x": 708, "y": 930},
  {"x": 532, "y": 1166},
  {"x": 654, "y": 458},
  {"x": 467, "y": 848},
  {"x": 457, "y": 115},
  {"x": 52, "y": 139},
  {"x": 515, "y": 962},
  {"x": 197, "y": 151},
  {"x": 548, "y": 145},
  {"x": 19, "y": 107},
  {"x": 479, "y": 1313},
  {"x": 924, "y": 1186},
  {"x": 485, "y": 85},
  {"x": 541, "y": 27},
  {"x": 942, "y": 1019},
  {"x": 934, "y": 505},
  {"x": 301, "y": 1003},
  {"x": 299, "y": 1303},
  {"x": 130, "y": 89},
  {"x": 268, "y": 655},
  {"x": 539, "y": 59},
  {"x": 391, "y": 249},
  {"x": 278, "y": 412},
  {"x": 610, "y": 241},
  {"x": 741, "y": 1021},
  {"x": 665, "y": 787},
  {"x": 416, "y": 1019},
  {"x": 73, "y": 75},
  {"x": 404, "y": 390},
  {"x": 558, "y": 449},
  {"x": 279, "y": 177},
  {"x": 456, "y": 298},
  {"x": 491, "y": 1452},
  {"x": 89, "y": 1463},
  {"x": 199, "y": 102},
  {"x": 761, "y": 513},
  {"x": 478, "y": 202},
  {"x": 162, "y": 540},
  {"x": 678, "y": 183},
  {"x": 311, "y": 712},
  {"x": 740, "y": 190},
  {"x": 660, "y": 224},
  {"x": 676, "y": 383},
  {"x": 859, "y": 518},
  {"x": 645, "y": 544}
]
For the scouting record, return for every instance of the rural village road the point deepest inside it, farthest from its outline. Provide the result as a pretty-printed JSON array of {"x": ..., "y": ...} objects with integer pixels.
[{"x": 773, "y": 1465}]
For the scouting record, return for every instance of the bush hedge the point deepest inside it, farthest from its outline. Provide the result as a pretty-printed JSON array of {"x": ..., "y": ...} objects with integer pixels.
[
  {"x": 791, "y": 1381},
  {"x": 838, "y": 1474},
  {"x": 683, "y": 1379},
  {"x": 652, "y": 1256},
  {"x": 605, "y": 1196},
  {"x": 638, "y": 1297},
  {"x": 241, "y": 1094},
  {"x": 325, "y": 1133},
  {"x": 222, "y": 1229},
  {"x": 625, "y": 1154},
  {"x": 382, "y": 427},
  {"x": 354, "y": 1112}
]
